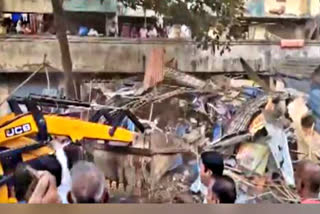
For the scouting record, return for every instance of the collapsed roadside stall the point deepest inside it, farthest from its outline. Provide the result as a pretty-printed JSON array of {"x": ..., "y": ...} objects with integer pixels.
[
  {"x": 257, "y": 128},
  {"x": 250, "y": 126}
]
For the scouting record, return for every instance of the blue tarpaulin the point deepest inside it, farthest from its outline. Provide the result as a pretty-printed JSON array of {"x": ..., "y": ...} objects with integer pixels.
[
  {"x": 16, "y": 17},
  {"x": 314, "y": 104}
]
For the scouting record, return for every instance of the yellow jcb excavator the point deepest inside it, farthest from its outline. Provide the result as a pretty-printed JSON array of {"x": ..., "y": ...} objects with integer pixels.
[{"x": 26, "y": 131}]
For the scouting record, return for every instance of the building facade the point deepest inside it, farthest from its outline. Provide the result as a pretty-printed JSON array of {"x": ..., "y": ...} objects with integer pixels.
[{"x": 20, "y": 55}]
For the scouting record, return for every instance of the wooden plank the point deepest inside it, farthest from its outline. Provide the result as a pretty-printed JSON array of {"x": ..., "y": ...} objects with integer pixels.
[{"x": 139, "y": 151}]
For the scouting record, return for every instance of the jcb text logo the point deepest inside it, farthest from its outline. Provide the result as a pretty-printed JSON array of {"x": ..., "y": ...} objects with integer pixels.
[{"x": 18, "y": 130}]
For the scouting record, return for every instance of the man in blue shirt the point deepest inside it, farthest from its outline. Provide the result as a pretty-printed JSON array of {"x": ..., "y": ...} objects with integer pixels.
[{"x": 314, "y": 98}]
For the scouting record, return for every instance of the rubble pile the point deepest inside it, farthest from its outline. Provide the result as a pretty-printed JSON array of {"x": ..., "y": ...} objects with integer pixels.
[{"x": 255, "y": 130}]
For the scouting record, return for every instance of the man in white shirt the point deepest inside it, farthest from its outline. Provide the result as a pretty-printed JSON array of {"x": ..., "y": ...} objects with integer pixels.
[
  {"x": 61, "y": 157},
  {"x": 143, "y": 32},
  {"x": 185, "y": 32},
  {"x": 211, "y": 166},
  {"x": 153, "y": 33}
]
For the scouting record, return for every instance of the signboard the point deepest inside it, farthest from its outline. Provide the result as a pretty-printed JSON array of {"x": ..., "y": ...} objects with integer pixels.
[
  {"x": 101, "y": 6},
  {"x": 253, "y": 157}
]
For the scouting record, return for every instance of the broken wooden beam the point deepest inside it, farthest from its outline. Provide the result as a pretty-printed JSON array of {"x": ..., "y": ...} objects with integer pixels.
[
  {"x": 139, "y": 151},
  {"x": 184, "y": 79}
]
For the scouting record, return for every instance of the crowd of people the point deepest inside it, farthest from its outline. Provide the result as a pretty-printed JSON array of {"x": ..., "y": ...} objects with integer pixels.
[
  {"x": 30, "y": 24},
  {"x": 212, "y": 184},
  {"x": 88, "y": 184},
  {"x": 22, "y": 23},
  {"x": 151, "y": 31}
]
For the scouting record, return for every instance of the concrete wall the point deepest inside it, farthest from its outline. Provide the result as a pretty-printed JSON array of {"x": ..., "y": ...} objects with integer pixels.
[
  {"x": 35, "y": 6},
  {"x": 128, "y": 56},
  {"x": 314, "y": 7},
  {"x": 44, "y": 6}
]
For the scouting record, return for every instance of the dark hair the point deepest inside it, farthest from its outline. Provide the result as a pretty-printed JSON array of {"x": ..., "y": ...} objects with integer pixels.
[
  {"x": 22, "y": 179},
  {"x": 213, "y": 161},
  {"x": 310, "y": 179},
  {"x": 225, "y": 189},
  {"x": 85, "y": 200},
  {"x": 314, "y": 183},
  {"x": 48, "y": 163},
  {"x": 307, "y": 121},
  {"x": 314, "y": 186}
]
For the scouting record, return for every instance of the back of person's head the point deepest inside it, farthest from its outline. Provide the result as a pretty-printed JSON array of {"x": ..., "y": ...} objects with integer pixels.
[
  {"x": 307, "y": 178},
  {"x": 302, "y": 166},
  {"x": 88, "y": 184},
  {"x": 213, "y": 161},
  {"x": 224, "y": 189},
  {"x": 314, "y": 183}
]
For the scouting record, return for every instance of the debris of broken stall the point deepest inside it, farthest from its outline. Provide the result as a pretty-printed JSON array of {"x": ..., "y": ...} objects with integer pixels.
[
  {"x": 257, "y": 135},
  {"x": 234, "y": 116}
]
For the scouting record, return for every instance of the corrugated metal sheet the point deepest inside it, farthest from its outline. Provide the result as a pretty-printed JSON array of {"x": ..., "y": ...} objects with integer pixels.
[{"x": 297, "y": 67}]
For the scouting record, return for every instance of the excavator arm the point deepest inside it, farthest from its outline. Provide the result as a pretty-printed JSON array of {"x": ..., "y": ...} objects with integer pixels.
[
  {"x": 26, "y": 126},
  {"x": 27, "y": 134}
]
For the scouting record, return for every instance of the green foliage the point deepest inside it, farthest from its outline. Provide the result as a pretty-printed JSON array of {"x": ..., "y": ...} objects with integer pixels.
[{"x": 200, "y": 15}]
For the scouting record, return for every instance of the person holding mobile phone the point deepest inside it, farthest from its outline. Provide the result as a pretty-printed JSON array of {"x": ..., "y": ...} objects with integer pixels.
[
  {"x": 35, "y": 187},
  {"x": 46, "y": 191}
]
